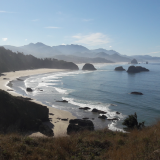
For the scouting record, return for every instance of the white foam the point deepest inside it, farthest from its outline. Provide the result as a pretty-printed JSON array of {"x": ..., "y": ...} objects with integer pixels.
[
  {"x": 114, "y": 128},
  {"x": 61, "y": 90}
]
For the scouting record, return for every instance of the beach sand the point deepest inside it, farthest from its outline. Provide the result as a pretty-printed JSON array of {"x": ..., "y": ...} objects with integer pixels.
[{"x": 59, "y": 127}]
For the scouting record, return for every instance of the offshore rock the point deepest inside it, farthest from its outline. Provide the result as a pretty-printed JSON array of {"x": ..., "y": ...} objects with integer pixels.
[
  {"x": 29, "y": 89},
  {"x": 134, "y": 61},
  {"x": 133, "y": 69},
  {"x": 137, "y": 93},
  {"x": 120, "y": 68},
  {"x": 89, "y": 66}
]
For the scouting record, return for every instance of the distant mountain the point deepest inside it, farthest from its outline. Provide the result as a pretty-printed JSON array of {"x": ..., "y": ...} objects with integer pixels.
[
  {"x": 114, "y": 57},
  {"x": 41, "y": 50},
  {"x": 70, "y": 49},
  {"x": 76, "y": 59},
  {"x": 110, "y": 52}
]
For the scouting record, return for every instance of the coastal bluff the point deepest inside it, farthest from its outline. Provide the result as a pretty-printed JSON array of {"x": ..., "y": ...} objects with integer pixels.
[
  {"x": 10, "y": 61},
  {"x": 20, "y": 114}
]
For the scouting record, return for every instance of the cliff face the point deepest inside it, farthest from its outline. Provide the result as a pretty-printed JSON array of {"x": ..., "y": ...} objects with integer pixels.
[
  {"x": 19, "y": 114},
  {"x": 10, "y": 61}
]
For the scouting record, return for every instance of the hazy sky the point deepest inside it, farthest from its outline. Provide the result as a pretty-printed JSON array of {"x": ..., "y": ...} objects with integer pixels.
[{"x": 128, "y": 26}]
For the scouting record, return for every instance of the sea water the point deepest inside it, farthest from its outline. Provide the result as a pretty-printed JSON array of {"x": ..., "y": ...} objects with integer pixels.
[{"x": 104, "y": 89}]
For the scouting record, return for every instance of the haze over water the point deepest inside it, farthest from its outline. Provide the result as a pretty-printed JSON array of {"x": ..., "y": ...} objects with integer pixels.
[{"x": 100, "y": 89}]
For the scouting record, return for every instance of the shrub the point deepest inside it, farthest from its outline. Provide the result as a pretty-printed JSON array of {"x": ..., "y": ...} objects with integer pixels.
[{"x": 131, "y": 122}]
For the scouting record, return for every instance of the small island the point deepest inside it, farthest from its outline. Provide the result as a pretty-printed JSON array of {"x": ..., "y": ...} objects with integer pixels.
[
  {"x": 134, "y": 61},
  {"x": 137, "y": 69},
  {"x": 89, "y": 67},
  {"x": 120, "y": 68}
]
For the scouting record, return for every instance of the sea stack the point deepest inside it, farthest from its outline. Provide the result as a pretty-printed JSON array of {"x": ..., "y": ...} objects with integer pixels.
[
  {"x": 120, "y": 68},
  {"x": 89, "y": 67},
  {"x": 133, "y": 69},
  {"x": 134, "y": 61}
]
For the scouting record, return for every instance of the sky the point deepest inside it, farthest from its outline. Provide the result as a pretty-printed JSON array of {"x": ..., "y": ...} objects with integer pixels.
[{"x": 130, "y": 27}]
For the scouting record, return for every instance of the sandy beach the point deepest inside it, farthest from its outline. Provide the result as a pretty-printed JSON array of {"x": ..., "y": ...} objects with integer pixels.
[{"x": 59, "y": 127}]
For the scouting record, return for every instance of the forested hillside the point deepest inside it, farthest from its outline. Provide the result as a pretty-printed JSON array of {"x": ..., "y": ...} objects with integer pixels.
[{"x": 10, "y": 61}]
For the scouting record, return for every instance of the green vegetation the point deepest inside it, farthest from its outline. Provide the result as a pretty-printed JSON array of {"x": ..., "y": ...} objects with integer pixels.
[
  {"x": 131, "y": 122},
  {"x": 10, "y": 61}
]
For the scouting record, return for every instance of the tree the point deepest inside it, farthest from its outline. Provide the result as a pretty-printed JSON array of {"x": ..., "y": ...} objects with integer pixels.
[{"x": 131, "y": 122}]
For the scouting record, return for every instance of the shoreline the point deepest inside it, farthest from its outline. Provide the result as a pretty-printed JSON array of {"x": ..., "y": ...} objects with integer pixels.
[{"x": 60, "y": 127}]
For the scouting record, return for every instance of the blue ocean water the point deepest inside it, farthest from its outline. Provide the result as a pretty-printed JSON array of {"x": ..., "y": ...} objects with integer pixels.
[{"x": 103, "y": 89}]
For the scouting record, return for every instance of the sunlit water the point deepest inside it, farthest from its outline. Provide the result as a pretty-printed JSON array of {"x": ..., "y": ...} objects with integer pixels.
[{"x": 99, "y": 89}]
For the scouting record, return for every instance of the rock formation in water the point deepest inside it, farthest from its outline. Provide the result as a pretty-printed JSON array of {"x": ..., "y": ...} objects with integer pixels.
[
  {"x": 20, "y": 114},
  {"x": 120, "y": 68},
  {"x": 133, "y": 69},
  {"x": 88, "y": 66},
  {"x": 76, "y": 125},
  {"x": 137, "y": 93},
  {"x": 134, "y": 61}
]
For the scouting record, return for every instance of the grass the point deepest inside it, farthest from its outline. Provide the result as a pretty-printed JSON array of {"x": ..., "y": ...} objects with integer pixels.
[{"x": 97, "y": 145}]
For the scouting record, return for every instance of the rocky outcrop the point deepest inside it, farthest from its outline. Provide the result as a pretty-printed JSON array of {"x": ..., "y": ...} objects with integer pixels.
[
  {"x": 134, "y": 61},
  {"x": 133, "y": 69},
  {"x": 89, "y": 66},
  {"x": 103, "y": 117},
  {"x": 29, "y": 89},
  {"x": 64, "y": 101},
  {"x": 137, "y": 93},
  {"x": 77, "y": 125},
  {"x": 120, "y": 68},
  {"x": 98, "y": 111},
  {"x": 20, "y": 114},
  {"x": 85, "y": 108}
]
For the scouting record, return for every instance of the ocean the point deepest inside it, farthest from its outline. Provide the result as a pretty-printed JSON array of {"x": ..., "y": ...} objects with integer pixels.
[{"x": 104, "y": 89}]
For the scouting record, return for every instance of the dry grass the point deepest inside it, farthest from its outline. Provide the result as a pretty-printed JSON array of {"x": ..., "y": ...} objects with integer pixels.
[{"x": 98, "y": 145}]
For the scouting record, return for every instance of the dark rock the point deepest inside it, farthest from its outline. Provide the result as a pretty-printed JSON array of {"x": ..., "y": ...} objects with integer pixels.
[
  {"x": 92, "y": 118},
  {"x": 1, "y": 74},
  {"x": 113, "y": 119},
  {"x": 137, "y": 93},
  {"x": 85, "y": 108},
  {"x": 64, "y": 119},
  {"x": 20, "y": 79},
  {"x": 77, "y": 125},
  {"x": 98, "y": 111},
  {"x": 51, "y": 114},
  {"x": 41, "y": 90},
  {"x": 22, "y": 115},
  {"x": 64, "y": 101},
  {"x": 6, "y": 78},
  {"x": 88, "y": 66},
  {"x": 133, "y": 69},
  {"x": 29, "y": 89},
  {"x": 58, "y": 118},
  {"x": 146, "y": 62},
  {"x": 103, "y": 117},
  {"x": 134, "y": 61},
  {"x": 46, "y": 130},
  {"x": 117, "y": 113},
  {"x": 120, "y": 68}
]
